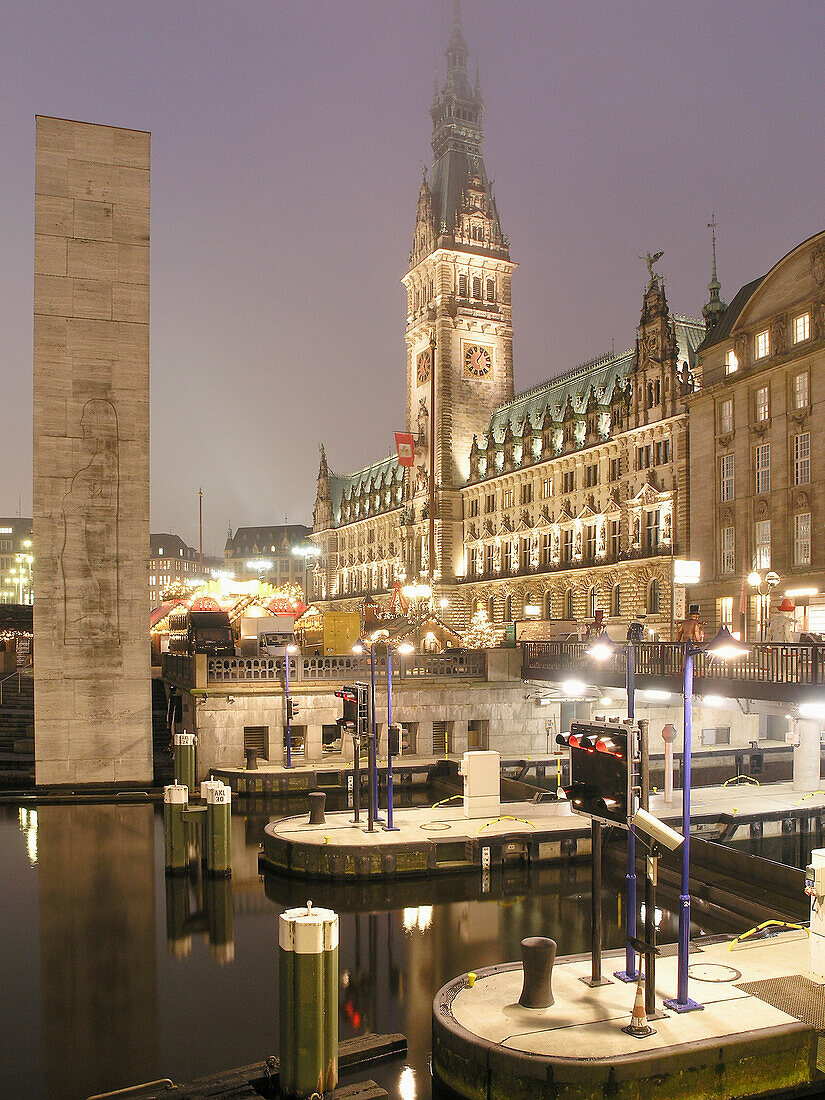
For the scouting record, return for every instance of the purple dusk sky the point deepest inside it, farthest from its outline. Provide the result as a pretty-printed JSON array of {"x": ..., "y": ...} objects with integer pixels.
[{"x": 287, "y": 143}]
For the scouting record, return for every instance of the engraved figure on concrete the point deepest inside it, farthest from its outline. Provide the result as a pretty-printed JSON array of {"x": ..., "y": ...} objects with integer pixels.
[{"x": 89, "y": 558}]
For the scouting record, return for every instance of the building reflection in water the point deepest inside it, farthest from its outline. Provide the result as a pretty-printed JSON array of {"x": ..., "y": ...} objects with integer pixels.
[{"x": 97, "y": 942}]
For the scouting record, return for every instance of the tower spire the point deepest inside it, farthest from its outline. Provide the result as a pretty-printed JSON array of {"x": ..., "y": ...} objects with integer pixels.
[{"x": 714, "y": 307}]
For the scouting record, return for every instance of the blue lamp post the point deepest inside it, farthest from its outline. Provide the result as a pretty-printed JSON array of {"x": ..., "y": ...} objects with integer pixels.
[
  {"x": 602, "y": 648},
  {"x": 725, "y": 647},
  {"x": 372, "y": 802},
  {"x": 290, "y": 649}
]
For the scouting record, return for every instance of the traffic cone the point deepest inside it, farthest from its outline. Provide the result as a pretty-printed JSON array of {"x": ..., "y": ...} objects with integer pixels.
[{"x": 638, "y": 1027}]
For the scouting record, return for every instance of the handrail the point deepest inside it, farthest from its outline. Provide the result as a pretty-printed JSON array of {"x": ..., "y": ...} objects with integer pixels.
[{"x": 15, "y": 673}]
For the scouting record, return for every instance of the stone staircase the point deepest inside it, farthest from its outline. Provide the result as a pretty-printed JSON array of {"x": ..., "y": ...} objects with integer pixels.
[{"x": 17, "y": 730}]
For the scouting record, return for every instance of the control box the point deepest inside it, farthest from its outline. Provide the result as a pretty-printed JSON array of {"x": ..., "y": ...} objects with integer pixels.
[{"x": 482, "y": 783}]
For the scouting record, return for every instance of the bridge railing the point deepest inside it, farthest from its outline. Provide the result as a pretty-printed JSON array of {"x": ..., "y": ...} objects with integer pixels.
[
  {"x": 455, "y": 663},
  {"x": 763, "y": 663}
]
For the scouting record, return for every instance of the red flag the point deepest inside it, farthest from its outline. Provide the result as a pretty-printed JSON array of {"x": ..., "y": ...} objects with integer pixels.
[{"x": 405, "y": 445}]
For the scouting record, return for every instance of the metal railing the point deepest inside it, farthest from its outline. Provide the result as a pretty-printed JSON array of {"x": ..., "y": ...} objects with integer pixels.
[
  {"x": 16, "y": 673},
  {"x": 763, "y": 663}
]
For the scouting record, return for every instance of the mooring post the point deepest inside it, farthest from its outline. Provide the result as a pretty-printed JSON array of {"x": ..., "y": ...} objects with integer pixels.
[
  {"x": 184, "y": 746},
  {"x": 176, "y": 833},
  {"x": 218, "y": 839},
  {"x": 308, "y": 1001}
]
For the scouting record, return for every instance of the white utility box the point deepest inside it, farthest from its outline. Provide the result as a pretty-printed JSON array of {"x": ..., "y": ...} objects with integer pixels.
[
  {"x": 482, "y": 783},
  {"x": 815, "y": 888}
]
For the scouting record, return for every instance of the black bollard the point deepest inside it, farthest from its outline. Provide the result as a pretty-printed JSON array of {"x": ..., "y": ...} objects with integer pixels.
[
  {"x": 538, "y": 953},
  {"x": 317, "y": 805},
  {"x": 251, "y": 760}
]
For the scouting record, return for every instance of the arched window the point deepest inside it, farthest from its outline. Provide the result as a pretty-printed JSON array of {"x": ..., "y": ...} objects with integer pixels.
[
  {"x": 568, "y": 604},
  {"x": 654, "y": 596},
  {"x": 591, "y": 603},
  {"x": 616, "y": 601},
  {"x": 548, "y": 605},
  {"x": 462, "y": 286},
  {"x": 508, "y": 609},
  {"x": 491, "y": 609}
]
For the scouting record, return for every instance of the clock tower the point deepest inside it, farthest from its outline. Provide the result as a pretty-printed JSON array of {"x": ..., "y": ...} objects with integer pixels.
[{"x": 458, "y": 292}]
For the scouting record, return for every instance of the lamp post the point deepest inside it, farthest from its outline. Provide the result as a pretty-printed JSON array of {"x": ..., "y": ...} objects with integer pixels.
[
  {"x": 306, "y": 551},
  {"x": 372, "y": 801},
  {"x": 290, "y": 649},
  {"x": 601, "y": 648},
  {"x": 725, "y": 647}
]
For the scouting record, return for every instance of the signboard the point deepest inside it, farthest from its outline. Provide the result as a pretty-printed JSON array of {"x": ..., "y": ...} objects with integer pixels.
[
  {"x": 686, "y": 572},
  {"x": 679, "y": 602}
]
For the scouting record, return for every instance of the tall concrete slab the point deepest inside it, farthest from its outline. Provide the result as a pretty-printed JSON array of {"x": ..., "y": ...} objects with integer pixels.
[{"x": 91, "y": 454}]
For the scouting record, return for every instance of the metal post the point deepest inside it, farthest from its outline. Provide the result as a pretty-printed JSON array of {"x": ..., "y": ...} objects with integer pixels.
[
  {"x": 356, "y": 772},
  {"x": 683, "y": 1003},
  {"x": 431, "y": 525},
  {"x": 651, "y": 877},
  {"x": 630, "y": 973},
  {"x": 372, "y": 778},
  {"x": 288, "y": 725},
  {"x": 596, "y": 906},
  {"x": 389, "y": 827}
]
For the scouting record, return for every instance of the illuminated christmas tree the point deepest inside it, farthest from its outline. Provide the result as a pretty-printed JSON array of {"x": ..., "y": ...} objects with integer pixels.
[{"x": 481, "y": 634}]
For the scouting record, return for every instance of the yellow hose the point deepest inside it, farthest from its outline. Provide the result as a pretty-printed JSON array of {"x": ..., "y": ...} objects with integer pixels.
[
  {"x": 444, "y": 801},
  {"x": 736, "y": 778},
  {"x": 767, "y": 924},
  {"x": 506, "y": 817}
]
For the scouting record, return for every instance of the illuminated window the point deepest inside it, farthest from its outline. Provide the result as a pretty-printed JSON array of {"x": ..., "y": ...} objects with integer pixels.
[
  {"x": 763, "y": 468},
  {"x": 547, "y": 488},
  {"x": 801, "y": 327},
  {"x": 762, "y": 539},
  {"x": 726, "y": 478},
  {"x": 761, "y": 344},
  {"x": 726, "y": 612},
  {"x": 802, "y": 538},
  {"x": 801, "y": 398},
  {"x": 726, "y": 416},
  {"x": 728, "y": 555},
  {"x": 508, "y": 498},
  {"x": 762, "y": 404},
  {"x": 802, "y": 458},
  {"x": 731, "y": 362}
]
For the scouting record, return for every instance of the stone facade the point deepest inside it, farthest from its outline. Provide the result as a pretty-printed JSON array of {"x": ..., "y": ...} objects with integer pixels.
[
  {"x": 571, "y": 496},
  {"x": 758, "y": 497},
  {"x": 91, "y": 453}
]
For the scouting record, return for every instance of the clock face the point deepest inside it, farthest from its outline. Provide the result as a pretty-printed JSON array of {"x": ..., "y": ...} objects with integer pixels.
[
  {"x": 423, "y": 364},
  {"x": 478, "y": 360}
]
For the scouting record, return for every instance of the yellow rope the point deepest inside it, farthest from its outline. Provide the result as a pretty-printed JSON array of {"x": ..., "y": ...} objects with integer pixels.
[
  {"x": 736, "y": 779},
  {"x": 813, "y": 794},
  {"x": 767, "y": 924},
  {"x": 506, "y": 817},
  {"x": 444, "y": 801}
]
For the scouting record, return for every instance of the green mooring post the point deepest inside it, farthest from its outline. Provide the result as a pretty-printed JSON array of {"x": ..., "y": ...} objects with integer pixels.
[
  {"x": 184, "y": 744},
  {"x": 176, "y": 833},
  {"x": 218, "y": 835},
  {"x": 308, "y": 1001}
]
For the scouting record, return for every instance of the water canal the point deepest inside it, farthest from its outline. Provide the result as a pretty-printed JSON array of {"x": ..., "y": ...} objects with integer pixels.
[{"x": 113, "y": 974}]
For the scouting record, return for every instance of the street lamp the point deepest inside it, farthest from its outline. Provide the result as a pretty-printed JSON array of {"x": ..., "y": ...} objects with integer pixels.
[
  {"x": 764, "y": 587},
  {"x": 726, "y": 648},
  {"x": 290, "y": 649},
  {"x": 306, "y": 551}
]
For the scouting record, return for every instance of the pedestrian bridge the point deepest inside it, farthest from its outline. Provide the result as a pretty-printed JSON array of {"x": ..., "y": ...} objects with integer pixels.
[{"x": 780, "y": 673}]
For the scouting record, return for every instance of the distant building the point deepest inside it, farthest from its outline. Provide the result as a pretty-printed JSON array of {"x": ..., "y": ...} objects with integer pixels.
[
  {"x": 171, "y": 560},
  {"x": 757, "y": 488},
  {"x": 266, "y": 552},
  {"x": 16, "y": 560}
]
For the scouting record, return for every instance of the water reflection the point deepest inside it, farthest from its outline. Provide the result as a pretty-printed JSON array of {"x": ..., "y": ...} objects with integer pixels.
[{"x": 113, "y": 988}]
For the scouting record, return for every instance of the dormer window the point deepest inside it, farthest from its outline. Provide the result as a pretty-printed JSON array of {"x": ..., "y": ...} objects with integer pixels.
[
  {"x": 731, "y": 362},
  {"x": 762, "y": 344}
]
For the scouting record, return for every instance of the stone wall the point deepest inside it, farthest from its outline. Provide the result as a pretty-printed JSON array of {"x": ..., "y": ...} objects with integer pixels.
[{"x": 91, "y": 453}]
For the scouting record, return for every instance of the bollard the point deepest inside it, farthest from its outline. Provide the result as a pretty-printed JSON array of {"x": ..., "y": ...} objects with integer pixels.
[
  {"x": 206, "y": 784},
  {"x": 176, "y": 834},
  {"x": 218, "y": 834},
  {"x": 251, "y": 760},
  {"x": 317, "y": 805},
  {"x": 538, "y": 953},
  {"x": 184, "y": 744},
  {"x": 308, "y": 1001}
]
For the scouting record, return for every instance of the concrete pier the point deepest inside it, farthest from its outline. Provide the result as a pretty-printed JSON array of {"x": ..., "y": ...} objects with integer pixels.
[{"x": 741, "y": 1045}]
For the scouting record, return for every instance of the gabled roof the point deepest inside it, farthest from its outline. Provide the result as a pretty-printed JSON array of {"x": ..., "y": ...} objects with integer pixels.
[
  {"x": 246, "y": 539},
  {"x": 385, "y": 471}
]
